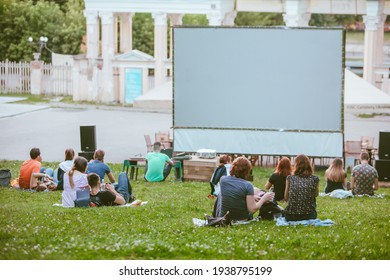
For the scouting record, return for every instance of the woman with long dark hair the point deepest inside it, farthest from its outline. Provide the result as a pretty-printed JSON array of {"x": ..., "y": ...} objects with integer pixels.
[
  {"x": 74, "y": 179},
  {"x": 301, "y": 191}
]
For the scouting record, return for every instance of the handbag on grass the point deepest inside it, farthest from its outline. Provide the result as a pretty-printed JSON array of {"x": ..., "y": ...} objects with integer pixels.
[
  {"x": 5, "y": 177},
  {"x": 223, "y": 221},
  {"x": 83, "y": 198}
]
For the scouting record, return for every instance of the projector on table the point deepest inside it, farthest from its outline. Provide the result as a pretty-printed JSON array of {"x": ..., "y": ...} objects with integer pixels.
[{"x": 206, "y": 153}]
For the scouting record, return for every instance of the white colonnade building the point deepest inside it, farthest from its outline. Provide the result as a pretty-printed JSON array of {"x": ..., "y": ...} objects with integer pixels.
[{"x": 112, "y": 71}]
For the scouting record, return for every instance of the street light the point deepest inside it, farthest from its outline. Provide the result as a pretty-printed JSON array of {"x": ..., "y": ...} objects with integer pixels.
[{"x": 41, "y": 44}]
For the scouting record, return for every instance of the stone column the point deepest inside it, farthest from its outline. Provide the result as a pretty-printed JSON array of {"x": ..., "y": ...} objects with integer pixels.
[
  {"x": 92, "y": 55},
  {"x": 126, "y": 30},
  {"x": 145, "y": 80},
  {"x": 175, "y": 19},
  {"x": 106, "y": 87},
  {"x": 296, "y": 13},
  {"x": 373, "y": 39},
  {"x": 116, "y": 33},
  {"x": 92, "y": 34},
  {"x": 215, "y": 19},
  {"x": 160, "y": 47},
  {"x": 229, "y": 18},
  {"x": 36, "y": 77}
]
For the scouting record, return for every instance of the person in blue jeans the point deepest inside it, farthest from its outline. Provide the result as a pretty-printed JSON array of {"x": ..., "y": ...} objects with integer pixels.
[{"x": 110, "y": 195}]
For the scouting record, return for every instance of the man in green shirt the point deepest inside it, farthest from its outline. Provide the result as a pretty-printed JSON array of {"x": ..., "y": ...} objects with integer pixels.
[{"x": 158, "y": 165}]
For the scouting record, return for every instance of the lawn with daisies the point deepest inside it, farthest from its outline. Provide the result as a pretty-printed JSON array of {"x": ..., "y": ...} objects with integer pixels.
[{"x": 31, "y": 228}]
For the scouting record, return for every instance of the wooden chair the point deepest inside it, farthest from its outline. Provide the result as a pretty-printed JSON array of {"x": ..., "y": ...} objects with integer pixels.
[
  {"x": 164, "y": 138},
  {"x": 367, "y": 141},
  {"x": 352, "y": 151},
  {"x": 149, "y": 145},
  {"x": 368, "y": 146}
]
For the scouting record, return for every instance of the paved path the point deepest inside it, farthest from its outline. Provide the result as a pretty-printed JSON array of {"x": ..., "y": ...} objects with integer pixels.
[
  {"x": 7, "y": 109},
  {"x": 119, "y": 130}
]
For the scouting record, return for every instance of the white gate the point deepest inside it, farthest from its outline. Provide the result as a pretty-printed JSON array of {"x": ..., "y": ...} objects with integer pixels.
[{"x": 57, "y": 79}]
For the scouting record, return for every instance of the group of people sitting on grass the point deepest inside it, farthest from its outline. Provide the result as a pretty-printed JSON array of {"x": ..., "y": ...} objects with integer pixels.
[
  {"x": 76, "y": 173},
  {"x": 294, "y": 184},
  {"x": 297, "y": 185},
  {"x": 73, "y": 174}
]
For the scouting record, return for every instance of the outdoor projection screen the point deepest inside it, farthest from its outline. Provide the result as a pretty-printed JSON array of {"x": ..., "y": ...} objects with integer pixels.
[{"x": 270, "y": 91}]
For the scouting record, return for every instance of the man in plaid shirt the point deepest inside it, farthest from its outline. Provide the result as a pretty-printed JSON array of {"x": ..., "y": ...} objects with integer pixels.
[{"x": 364, "y": 177}]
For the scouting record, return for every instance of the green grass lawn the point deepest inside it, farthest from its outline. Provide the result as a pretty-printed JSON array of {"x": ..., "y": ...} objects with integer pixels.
[{"x": 31, "y": 228}]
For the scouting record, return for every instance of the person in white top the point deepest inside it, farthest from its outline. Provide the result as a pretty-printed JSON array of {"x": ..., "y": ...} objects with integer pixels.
[{"x": 74, "y": 179}]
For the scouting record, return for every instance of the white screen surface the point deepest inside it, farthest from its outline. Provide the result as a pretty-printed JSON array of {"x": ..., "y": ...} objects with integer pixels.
[{"x": 257, "y": 81}]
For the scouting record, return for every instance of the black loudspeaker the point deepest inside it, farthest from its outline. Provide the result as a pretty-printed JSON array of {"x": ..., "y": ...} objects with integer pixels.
[
  {"x": 87, "y": 155},
  {"x": 88, "y": 138},
  {"x": 383, "y": 168},
  {"x": 384, "y": 145}
]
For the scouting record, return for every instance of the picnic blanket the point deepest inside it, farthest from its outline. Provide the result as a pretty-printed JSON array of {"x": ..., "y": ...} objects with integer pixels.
[
  {"x": 135, "y": 203},
  {"x": 342, "y": 194},
  {"x": 377, "y": 195},
  {"x": 281, "y": 221}
]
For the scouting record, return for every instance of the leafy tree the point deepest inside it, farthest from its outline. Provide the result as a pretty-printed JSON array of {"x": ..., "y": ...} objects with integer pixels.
[
  {"x": 24, "y": 19},
  {"x": 334, "y": 20},
  {"x": 61, "y": 3},
  {"x": 143, "y": 33},
  {"x": 258, "y": 19},
  {"x": 74, "y": 28},
  {"x": 195, "y": 20}
]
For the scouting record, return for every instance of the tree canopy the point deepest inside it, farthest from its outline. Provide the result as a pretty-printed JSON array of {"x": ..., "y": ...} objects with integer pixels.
[{"x": 23, "y": 19}]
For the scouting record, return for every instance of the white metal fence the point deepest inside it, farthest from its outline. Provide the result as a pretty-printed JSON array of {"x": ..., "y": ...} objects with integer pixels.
[{"x": 15, "y": 77}]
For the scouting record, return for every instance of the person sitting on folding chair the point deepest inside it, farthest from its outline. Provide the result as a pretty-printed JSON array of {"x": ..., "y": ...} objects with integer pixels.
[{"x": 158, "y": 165}]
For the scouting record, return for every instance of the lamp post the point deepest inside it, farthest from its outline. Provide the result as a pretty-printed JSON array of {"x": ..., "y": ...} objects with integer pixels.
[{"x": 41, "y": 44}]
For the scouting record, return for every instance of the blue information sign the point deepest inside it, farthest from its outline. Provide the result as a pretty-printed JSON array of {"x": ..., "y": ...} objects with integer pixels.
[{"x": 133, "y": 84}]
